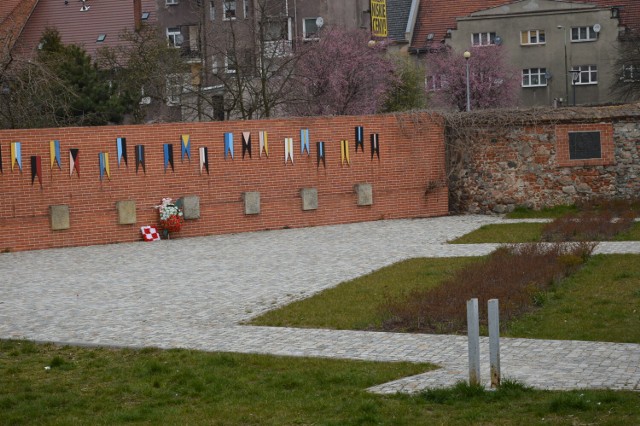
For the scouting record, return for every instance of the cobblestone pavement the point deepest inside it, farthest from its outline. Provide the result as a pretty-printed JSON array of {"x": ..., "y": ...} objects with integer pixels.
[{"x": 193, "y": 293}]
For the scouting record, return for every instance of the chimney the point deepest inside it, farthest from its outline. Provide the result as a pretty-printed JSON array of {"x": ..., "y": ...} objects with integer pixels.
[{"x": 137, "y": 14}]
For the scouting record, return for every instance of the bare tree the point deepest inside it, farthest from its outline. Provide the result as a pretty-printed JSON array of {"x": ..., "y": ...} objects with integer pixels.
[{"x": 627, "y": 85}]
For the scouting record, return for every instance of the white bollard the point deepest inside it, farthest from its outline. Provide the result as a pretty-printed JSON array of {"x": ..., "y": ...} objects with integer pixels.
[
  {"x": 473, "y": 332},
  {"x": 494, "y": 342}
]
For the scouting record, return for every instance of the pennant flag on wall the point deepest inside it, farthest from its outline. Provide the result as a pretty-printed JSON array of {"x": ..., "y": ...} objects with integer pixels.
[
  {"x": 103, "y": 160},
  {"x": 321, "y": 157},
  {"x": 288, "y": 150},
  {"x": 344, "y": 152},
  {"x": 246, "y": 143},
  {"x": 228, "y": 145},
  {"x": 36, "y": 169},
  {"x": 168, "y": 156},
  {"x": 16, "y": 155},
  {"x": 204, "y": 159},
  {"x": 264, "y": 145},
  {"x": 304, "y": 141},
  {"x": 140, "y": 158},
  {"x": 121, "y": 144},
  {"x": 359, "y": 138},
  {"x": 54, "y": 152},
  {"x": 185, "y": 147},
  {"x": 74, "y": 161},
  {"x": 375, "y": 145}
]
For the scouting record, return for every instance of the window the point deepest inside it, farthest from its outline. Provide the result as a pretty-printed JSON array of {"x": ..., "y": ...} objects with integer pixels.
[
  {"x": 145, "y": 16},
  {"x": 277, "y": 37},
  {"x": 483, "y": 39},
  {"x": 212, "y": 10},
  {"x": 584, "y": 145},
  {"x": 171, "y": 2},
  {"x": 229, "y": 9},
  {"x": 586, "y": 74},
  {"x": 176, "y": 83},
  {"x": 101, "y": 38},
  {"x": 534, "y": 77},
  {"x": 532, "y": 37},
  {"x": 434, "y": 83},
  {"x": 214, "y": 65},
  {"x": 583, "y": 34},
  {"x": 245, "y": 8},
  {"x": 174, "y": 36},
  {"x": 310, "y": 29},
  {"x": 230, "y": 63},
  {"x": 630, "y": 73},
  {"x": 217, "y": 102}
]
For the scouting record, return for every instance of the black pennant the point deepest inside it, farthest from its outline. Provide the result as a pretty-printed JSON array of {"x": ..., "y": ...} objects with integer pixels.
[
  {"x": 320, "y": 154},
  {"x": 246, "y": 143},
  {"x": 140, "y": 158},
  {"x": 36, "y": 169},
  {"x": 168, "y": 156},
  {"x": 375, "y": 145},
  {"x": 75, "y": 161}
]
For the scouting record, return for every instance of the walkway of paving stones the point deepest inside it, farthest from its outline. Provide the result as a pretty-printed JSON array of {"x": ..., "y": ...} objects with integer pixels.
[{"x": 194, "y": 293}]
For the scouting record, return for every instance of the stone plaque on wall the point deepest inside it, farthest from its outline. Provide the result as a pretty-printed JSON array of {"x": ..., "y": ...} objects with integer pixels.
[
  {"x": 126, "y": 212},
  {"x": 364, "y": 193},
  {"x": 59, "y": 216},
  {"x": 309, "y": 198},
  {"x": 251, "y": 202}
]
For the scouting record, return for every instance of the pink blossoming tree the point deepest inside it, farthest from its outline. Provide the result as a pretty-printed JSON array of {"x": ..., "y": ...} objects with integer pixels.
[
  {"x": 493, "y": 81},
  {"x": 341, "y": 74}
]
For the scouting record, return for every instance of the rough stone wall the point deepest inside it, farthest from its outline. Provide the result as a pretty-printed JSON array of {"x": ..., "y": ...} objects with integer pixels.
[{"x": 529, "y": 165}]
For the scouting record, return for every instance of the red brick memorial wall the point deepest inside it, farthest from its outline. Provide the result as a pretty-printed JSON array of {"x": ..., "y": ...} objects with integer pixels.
[{"x": 89, "y": 173}]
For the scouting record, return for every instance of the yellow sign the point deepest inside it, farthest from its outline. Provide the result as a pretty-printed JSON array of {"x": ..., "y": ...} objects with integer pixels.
[{"x": 379, "y": 18}]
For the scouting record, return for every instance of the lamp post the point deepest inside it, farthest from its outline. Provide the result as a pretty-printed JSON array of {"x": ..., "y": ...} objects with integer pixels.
[
  {"x": 467, "y": 55},
  {"x": 566, "y": 70}
]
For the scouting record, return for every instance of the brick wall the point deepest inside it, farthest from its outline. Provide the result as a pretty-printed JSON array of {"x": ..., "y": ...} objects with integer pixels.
[
  {"x": 411, "y": 160},
  {"x": 529, "y": 165}
]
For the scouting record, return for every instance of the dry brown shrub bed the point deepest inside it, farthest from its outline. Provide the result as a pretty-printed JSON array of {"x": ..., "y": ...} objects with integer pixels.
[{"x": 518, "y": 275}]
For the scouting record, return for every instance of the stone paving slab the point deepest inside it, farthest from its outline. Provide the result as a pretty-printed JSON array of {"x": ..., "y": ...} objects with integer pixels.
[{"x": 193, "y": 293}]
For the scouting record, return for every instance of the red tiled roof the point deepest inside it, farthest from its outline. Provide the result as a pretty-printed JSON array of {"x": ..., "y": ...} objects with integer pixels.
[
  {"x": 108, "y": 17},
  {"x": 436, "y": 16},
  {"x": 13, "y": 17}
]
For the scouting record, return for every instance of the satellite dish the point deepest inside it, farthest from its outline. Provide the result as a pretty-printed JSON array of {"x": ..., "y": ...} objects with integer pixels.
[
  {"x": 548, "y": 75},
  {"x": 319, "y": 22},
  {"x": 498, "y": 40},
  {"x": 597, "y": 28}
]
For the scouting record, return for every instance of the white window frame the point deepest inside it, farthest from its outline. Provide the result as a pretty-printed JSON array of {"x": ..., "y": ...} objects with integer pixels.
[
  {"x": 227, "y": 69},
  {"x": 630, "y": 73},
  {"x": 174, "y": 37},
  {"x": 245, "y": 8},
  {"x": 314, "y": 36},
  {"x": 532, "y": 35},
  {"x": 539, "y": 74},
  {"x": 591, "y": 35},
  {"x": 171, "y": 2},
  {"x": 215, "y": 67},
  {"x": 227, "y": 7},
  {"x": 435, "y": 83},
  {"x": 483, "y": 39},
  {"x": 588, "y": 75},
  {"x": 212, "y": 10}
]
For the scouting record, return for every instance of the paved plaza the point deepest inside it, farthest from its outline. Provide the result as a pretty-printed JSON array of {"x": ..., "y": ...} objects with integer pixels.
[{"x": 196, "y": 292}]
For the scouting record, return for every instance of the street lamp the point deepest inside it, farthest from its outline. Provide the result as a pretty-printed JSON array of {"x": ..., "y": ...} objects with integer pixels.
[
  {"x": 566, "y": 70},
  {"x": 467, "y": 55}
]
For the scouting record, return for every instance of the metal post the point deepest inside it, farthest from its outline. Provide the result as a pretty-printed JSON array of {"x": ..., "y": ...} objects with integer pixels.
[
  {"x": 468, "y": 92},
  {"x": 494, "y": 342},
  {"x": 473, "y": 332}
]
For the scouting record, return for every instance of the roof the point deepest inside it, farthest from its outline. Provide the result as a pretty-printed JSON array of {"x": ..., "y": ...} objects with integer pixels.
[
  {"x": 108, "y": 17},
  {"x": 13, "y": 17},
  {"x": 397, "y": 18},
  {"x": 436, "y": 16}
]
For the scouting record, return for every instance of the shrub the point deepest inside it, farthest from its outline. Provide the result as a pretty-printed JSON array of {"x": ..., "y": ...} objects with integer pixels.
[
  {"x": 589, "y": 225},
  {"x": 518, "y": 275}
]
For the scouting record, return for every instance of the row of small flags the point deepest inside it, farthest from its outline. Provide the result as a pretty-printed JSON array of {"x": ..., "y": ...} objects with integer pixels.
[{"x": 185, "y": 151}]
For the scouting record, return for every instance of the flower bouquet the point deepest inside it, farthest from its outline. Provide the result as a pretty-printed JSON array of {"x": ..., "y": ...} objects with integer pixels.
[{"x": 170, "y": 216}]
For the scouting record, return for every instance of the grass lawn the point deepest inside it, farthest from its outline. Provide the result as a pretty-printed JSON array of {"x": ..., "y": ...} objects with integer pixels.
[
  {"x": 548, "y": 212},
  {"x": 353, "y": 305},
  {"x": 506, "y": 233},
  {"x": 177, "y": 387},
  {"x": 597, "y": 303}
]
